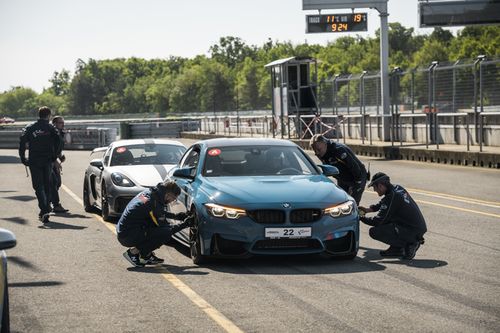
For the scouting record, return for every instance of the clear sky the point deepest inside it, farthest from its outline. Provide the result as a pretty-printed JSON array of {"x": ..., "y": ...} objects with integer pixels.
[{"x": 38, "y": 37}]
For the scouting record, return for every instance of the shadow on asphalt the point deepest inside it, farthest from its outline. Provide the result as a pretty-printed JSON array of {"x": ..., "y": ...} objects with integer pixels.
[
  {"x": 24, "y": 198},
  {"x": 160, "y": 269},
  {"x": 418, "y": 263},
  {"x": 36, "y": 284},
  {"x": 17, "y": 220},
  {"x": 21, "y": 262},
  {"x": 7, "y": 191},
  {"x": 373, "y": 254},
  {"x": 58, "y": 225},
  {"x": 285, "y": 265},
  {"x": 9, "y": 159},
  {"x": 72, "y": 216}
]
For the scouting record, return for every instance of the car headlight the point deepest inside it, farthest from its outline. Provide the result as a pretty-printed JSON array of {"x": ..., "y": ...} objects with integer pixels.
[
  {"x": 342, "y": 209},
  {"x": 222, "y": 211},
  {"x": 121, "y": 180}
]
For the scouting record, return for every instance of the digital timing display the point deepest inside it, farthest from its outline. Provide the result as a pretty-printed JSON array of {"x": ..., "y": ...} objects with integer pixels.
[{"x": 337, "y": 22}]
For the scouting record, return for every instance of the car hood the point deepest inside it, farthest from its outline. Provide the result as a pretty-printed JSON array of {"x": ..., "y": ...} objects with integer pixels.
[
  {"x": 144, "y": 175},
  {"x": 249, "y": 191}
]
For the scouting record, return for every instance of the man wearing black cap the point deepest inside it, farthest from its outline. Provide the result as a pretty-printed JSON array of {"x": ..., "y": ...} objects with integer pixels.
[
  {"x": 352, "y": 172},
  {"x": 399, "y": 221}
]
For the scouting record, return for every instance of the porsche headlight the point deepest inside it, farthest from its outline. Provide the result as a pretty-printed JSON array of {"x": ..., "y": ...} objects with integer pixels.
[
  {"x": 121, "y": 180},
  {"x": 223, "y": 211},
  {"x": 342, "y": 209}
]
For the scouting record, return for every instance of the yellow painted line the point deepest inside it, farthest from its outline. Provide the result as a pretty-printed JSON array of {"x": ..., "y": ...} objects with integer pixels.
[
  {"x": 216, "y": 316},
  {"x": 452, "y": 207},
  {"x": 212, "y": 312},
  {"x": 493, "y": 204}
]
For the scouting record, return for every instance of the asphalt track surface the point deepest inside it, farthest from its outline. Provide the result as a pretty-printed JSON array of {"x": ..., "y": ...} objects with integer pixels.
[{"x": 70, "y": 275}]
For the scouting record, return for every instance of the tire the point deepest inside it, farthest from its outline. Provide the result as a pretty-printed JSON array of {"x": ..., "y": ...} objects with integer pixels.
[
  {"x": 86, "y": 200},
  {"x": 5, "y": 311},
  {"x": 104, "y": 204},
  {"x": 195, "y": 244}
]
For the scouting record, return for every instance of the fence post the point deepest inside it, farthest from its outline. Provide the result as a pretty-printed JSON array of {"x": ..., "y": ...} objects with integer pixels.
[
  {"x": 481, "y": 101},
  {"x": 238, "y": 125},
  {"x": 476, "y": 114},
  {"x": 362, "y": 108},
  {"x": 335, "y": 109},
  {"x": 288, "y": 125},
  {"x": 412, "y": 92},
  {"x": 437, "y": 130},
  {"x": 369, "y": 128}
]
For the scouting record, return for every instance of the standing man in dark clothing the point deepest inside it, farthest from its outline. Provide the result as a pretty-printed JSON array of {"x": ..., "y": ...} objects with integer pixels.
[
  {"x": 143, "y": 226},
  {"x": 352, "y": 172},
  {"x": 43, "y": 143},
  {"x": 399, "y": 221},
  {"x": 56, "y": 171}
]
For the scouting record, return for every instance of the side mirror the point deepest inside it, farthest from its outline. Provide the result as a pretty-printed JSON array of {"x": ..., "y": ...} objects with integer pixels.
[
  {"x": 7, "y": 239},
  {"x": 97, "y": 163},
  {"x": 187, "y": 173},
  {"x": 329, "y": 170}
]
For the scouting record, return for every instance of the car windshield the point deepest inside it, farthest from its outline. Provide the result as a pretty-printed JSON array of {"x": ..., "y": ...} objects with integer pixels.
[
  {"x": 142, "y": 154},
  {"x": 256, "y": 161}
]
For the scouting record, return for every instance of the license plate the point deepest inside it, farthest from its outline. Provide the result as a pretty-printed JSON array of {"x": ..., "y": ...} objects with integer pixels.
[{"x": 288, "y": 232}]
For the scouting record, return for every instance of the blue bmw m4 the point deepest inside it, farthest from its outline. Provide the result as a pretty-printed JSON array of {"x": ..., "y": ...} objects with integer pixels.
[{"x": 262, "y": 197}]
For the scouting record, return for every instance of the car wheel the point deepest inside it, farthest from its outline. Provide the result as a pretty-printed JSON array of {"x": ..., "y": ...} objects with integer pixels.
[
  {"x": 5, "y": 311},
  {"x": 195, "y": 243},
  {"x": 86, "y": 199},
  {"x": 104, "y": 204}
]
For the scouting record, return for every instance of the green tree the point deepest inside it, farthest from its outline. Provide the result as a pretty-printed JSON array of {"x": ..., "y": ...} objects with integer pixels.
[
  {"x": 18, "y": 102},
  {"x": 60, "y": 83},
  {"x": 231, "y": 51}
]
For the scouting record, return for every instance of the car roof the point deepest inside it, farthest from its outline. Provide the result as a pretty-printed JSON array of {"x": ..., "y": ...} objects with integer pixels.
[
  {"x": 225, "y": 142},
  {"x": 130, "y": 142}
]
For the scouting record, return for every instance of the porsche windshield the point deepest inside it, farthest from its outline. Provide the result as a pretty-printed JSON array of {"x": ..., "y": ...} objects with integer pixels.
[
  {"x": 256, "y": 161},
  {"x": 146, "y": 154}
]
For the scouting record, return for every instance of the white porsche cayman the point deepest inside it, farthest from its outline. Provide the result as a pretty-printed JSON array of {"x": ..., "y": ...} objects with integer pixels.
[{"x": 118, "y": 172}]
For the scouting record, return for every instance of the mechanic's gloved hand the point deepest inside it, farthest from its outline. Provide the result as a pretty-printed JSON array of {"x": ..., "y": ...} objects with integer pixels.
[
  {"x": 181, "y": 216},
  {"x": 25, "y": 161}
]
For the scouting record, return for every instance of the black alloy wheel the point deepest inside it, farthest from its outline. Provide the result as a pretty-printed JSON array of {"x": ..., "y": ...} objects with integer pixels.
[
  {"x": 195, "y": 243},
  {"x": 104, "y": 204},
  {"x": 86, "y": 199}
]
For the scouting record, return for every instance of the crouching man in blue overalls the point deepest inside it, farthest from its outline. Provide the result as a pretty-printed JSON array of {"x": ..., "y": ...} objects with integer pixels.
[{"x": 143, "y": 226}]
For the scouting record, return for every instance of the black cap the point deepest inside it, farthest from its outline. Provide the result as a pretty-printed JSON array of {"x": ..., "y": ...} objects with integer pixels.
[{"x": 379, "y": 177}]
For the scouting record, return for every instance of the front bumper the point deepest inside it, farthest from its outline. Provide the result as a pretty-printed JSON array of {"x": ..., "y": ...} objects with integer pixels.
[
  {"x": 119, "y": 197},
  {"x": 244, "y": 236}
]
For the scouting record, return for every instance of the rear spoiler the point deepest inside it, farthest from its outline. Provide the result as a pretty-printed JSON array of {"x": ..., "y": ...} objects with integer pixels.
[{"x": 99, "y": 149}]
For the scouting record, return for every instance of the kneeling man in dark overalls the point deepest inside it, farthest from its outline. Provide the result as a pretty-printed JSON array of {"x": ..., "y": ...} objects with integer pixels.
[
  {"x": 143, "y": 226},
  {"x": 399, "y": 222}
]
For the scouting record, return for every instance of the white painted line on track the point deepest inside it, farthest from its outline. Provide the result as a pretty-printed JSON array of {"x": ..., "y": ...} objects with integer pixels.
[{"x": 196, "y": 299}]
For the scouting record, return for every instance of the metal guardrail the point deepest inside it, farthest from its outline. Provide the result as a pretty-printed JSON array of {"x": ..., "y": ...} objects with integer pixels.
[
  {"x": 89, "y": 138},
  {"x": 343, "y": 126}
]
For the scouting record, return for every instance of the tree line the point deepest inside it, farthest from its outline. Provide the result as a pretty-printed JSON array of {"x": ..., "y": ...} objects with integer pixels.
[{"x": 233, "y": 75}]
